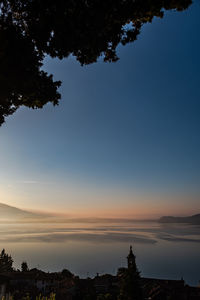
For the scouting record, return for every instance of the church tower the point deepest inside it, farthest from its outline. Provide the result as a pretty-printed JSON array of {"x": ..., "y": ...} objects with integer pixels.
[{"x": 131, "y": 260}]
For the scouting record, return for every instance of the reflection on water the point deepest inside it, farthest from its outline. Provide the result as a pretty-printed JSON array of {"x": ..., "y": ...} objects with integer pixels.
[{"x": 165, "y": 251}]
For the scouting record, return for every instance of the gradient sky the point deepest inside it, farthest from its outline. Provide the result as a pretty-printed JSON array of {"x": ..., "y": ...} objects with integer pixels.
[{"x": 124, "y": 140}]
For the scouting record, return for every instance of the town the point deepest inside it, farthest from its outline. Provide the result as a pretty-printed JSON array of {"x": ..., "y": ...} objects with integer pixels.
[{"x": 126, "y": 284}]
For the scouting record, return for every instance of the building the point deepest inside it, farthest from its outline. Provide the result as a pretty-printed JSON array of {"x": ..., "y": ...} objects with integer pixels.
[{"x": 66, "y": 286}]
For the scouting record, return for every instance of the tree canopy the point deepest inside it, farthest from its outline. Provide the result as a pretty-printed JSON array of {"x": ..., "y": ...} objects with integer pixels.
[
  {"x": 67, "y": 274},
  {"x": 86, "y": 29},
  {"x": 6, "y": 262},
  {"x": 24, "y": 266},
  {"x": 130, "y": 283}
]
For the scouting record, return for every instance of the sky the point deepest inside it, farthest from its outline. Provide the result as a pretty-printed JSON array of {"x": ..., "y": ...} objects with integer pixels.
[{"x": 124, "y": 140}]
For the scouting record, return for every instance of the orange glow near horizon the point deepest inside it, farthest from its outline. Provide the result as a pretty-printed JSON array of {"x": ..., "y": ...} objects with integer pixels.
[
  {"x": 101, "y": 203},
  {"x": 134, "y": 211}
]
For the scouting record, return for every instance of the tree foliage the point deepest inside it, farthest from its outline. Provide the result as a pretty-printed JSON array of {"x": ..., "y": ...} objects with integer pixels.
[
  {"x": 24, "y": 266},
  {"x": 6, "y": 262},
  {"x": 87, "y": 29},
  {"x": 67, "y": 274}
]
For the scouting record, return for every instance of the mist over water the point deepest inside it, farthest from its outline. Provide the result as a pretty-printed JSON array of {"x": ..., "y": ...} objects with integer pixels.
[{"x": 162, "y": 250}]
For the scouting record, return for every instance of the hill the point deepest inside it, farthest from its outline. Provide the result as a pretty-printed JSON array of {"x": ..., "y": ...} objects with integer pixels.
[
  {"x": 195, "y": 219},
  {"x": 11, "y": 212}
]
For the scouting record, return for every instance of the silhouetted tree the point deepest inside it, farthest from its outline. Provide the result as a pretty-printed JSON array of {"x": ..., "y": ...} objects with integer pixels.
[
  {"x": 24, "y": 266},
  {"x": 130, "y": 287},
  {"x": 6, "y": 262},
  {"x": 66, "y": 273},
  {"x": 87, "y": 29}
]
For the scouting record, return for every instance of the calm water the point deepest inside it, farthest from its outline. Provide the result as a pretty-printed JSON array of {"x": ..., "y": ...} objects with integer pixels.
[{"x": 162, "y": 251}]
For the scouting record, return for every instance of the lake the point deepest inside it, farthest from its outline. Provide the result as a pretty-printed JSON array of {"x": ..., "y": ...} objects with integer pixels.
[{"x": 162, "y": 250}]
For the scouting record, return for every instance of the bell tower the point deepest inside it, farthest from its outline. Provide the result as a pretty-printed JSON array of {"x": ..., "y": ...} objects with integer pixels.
[{"x": 131, "y": 259}]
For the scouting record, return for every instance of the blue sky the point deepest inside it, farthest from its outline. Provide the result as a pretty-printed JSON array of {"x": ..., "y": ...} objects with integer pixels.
[{"x": 124, "y": 129}]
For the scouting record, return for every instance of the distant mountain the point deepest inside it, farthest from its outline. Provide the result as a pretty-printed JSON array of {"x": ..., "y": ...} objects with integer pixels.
[
  {"x": 195, "y": 219},
  {"x": 11, "y": 212}
]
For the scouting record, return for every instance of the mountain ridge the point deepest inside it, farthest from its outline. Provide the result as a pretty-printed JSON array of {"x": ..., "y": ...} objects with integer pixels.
[
  {"x": 194, "y": 219},
  {"x": 8, "y": 211}
]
